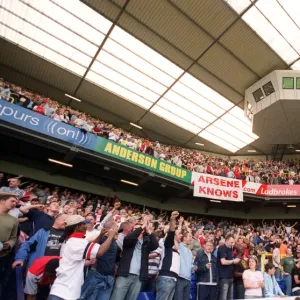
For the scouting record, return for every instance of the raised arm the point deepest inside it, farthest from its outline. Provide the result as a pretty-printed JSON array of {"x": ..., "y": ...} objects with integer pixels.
[
  {"x": 25, "y": 209},
  {"x": 180, "y": 222},
  {"x": 174, "y": 215},
  {"x": 105, "y": 246},
  {"x": 108, "y": 216}
]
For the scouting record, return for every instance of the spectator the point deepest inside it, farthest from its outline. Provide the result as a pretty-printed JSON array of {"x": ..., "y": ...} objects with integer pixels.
[
  {"x": 125, "y": 229},
  {"x": 40, "y": 109},
  {"x": 13, "y": 187},
  {"x": 5, "y": 93},
  {"x": 287, "y": 264},
  {"x": 282, "y": 248},
  {"x": 8, "y": 235},
  {"x": 41, "y": 274},
  {"x": 238, "y": 271},
  {"x": 296, "y": 279},
  {"x": 276, "y": 260},
  {"x": 183, "y": 284},
  {"x": 76, "y": 250},
  {"x": 288, "y": 227},
  {"x": 46, "y": 242},
  {"x": 100, "y": 280},
  {"x": 272, "y": 289},
  {"x": 207, "y": 273},
  {"x": 133, "y": 267},
  {"x": 225, "y": 264},
  {"x": 98, "y": 129},
  {"x": 195, "y": 246},
  {"x": 39, "y": 218},
  {"x": 43, "y": 194},
  {"x": 297, "y": 254},
  {"x": 65, "y": 209},
  {"x": 154, "y": 262},
  {"x": 170, "y": 265},
  {"x": 253, "y": 280},
  {"x": 91, "y": 232}
]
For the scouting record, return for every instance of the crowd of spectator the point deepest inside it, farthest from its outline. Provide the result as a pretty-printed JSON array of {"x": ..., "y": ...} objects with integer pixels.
[
  {"x": 260, "y": 171},
  {"x": 78, "y": 246}
]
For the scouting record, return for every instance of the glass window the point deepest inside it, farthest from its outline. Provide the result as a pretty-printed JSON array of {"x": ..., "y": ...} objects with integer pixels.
[
  {"x": 268, "y": 88},
  {"x": 298, "y": 83},
  {"x": 258, "y": 95},
  {"x": 288, "y": 83}
]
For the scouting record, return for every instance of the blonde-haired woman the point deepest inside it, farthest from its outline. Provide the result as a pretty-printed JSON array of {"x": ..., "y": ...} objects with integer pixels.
[{"x": 253, "y": 280}]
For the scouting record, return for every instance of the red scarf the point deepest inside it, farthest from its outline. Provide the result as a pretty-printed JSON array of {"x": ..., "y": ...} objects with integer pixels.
[{"x": 79, "y": 235}]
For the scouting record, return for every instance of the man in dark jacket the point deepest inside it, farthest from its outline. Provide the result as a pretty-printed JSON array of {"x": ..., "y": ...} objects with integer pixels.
[
  {"x": 207, "y": 273},
  {"x": 133, "y": 267}
]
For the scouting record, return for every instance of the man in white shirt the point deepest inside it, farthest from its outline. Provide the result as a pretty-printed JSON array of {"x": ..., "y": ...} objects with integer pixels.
[
  {"x": 162, "y": 156},
  {"x": 130, "y": 144},
  {"x": 69, "y": 274},
  {"x": 276, "y": 260},
  {"x": 91, "y": 232},
  {"x": 125, "y": 229},
  {"x": 112, "y": 136},
  {"x": 230, "y": 174}
]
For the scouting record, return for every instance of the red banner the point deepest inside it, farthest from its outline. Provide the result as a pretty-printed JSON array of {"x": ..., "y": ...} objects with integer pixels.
[{"x": 271, "y": 190}]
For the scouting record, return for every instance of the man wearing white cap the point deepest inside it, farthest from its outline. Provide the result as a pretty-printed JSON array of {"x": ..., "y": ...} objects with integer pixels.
[{"x": 69, "y": 275}]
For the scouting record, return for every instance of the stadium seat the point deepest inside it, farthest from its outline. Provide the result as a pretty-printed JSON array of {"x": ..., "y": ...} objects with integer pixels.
[
  {"x": 193, "y": 295},
  {"x": 146, "y": 296},
  {"x": 281, "y": 285}
]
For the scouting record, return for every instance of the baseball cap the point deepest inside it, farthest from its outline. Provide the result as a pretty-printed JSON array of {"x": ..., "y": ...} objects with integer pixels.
[{"x": 76, "y": 219}]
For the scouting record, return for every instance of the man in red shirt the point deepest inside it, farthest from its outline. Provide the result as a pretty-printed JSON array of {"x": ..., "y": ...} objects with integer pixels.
[
  {"x": 40, "y": 274},
  {"x": 40, "y": 109}
]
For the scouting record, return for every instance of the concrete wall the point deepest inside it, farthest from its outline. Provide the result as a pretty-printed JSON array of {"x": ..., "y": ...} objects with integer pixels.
[
  {"x": 188, "y": 206},
  {"x": 253, "y": 157},
  {"x": 291, "y": 156}
]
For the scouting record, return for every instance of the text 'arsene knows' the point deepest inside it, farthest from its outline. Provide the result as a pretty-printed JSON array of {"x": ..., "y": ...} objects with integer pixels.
[{"x": 214, "y": 187}]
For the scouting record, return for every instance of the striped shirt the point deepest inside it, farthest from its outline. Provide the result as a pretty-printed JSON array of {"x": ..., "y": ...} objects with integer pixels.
[
  {"x": 154, "y": 262},
  {"x": 18, "y": 192}
]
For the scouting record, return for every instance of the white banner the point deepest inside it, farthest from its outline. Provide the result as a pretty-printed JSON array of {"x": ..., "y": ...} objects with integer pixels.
[{"x": 215, "y": 187}]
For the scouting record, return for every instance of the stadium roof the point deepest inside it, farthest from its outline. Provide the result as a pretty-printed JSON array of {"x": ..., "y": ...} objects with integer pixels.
[{"x": 177, "y": 68}]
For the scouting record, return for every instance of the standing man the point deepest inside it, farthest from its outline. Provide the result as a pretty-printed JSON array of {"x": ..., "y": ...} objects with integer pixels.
[
  {"x": 8, "y": 235},
  {"x": 225, "y": 268},
  {"x": 91, "y": 231},
  {"x": 276, "y": 260},
  {"x": 296, "y": 279},
  {"x": 288, "y": 264},
  {"x": 99, "y": 282},
  {"x": 194, "y": 246},
  {"x": 46, "y": 242},
  {"x": 206, "y": 268},
  {"x": 183, "y": 284},
  {"x": 125, "y": 229},
  {"x": 38, "y": 218},
  {"x": 166, "y": 282},
  {"x": 133, "y": 267},
  {"x": 69, "y": 274},
  {"x": 13, "y": 187}
]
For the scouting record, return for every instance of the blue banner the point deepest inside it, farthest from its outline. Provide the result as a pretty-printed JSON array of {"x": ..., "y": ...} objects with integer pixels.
[{"x": 24, "y": 117}]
